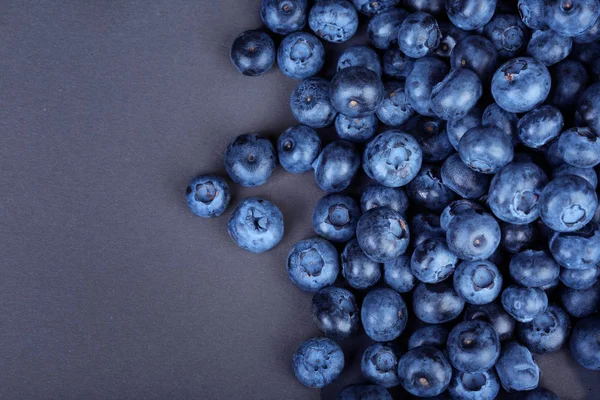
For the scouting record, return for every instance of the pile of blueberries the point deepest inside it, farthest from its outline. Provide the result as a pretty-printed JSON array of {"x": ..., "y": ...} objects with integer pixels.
[{"x": 480, "y": 131}]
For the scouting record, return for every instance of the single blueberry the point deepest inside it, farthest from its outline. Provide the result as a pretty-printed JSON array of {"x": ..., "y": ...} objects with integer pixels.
[
  {"x": 382, "y": 234},
  {"x": 360, "y": 56},
  {"x": 494, "y": 115},
  {"x": 523, "y": 303},
  {"x": 429, "y": 335},
  {"x": 432, "y": 261},
  {"x": 398, "y": 275},
  {"x": 455, "y": 208},
  {"x": 540, "y": 126},
  {"x": 571, "y": 17},
  {"x": 336, "y": 166},
  {"x": 532, "y": 13},
  {"x": 373, "y": 7},
  {"x": 547, "y": 332},
  {"x": 317, "y": 362},
  {"x": 311, "y": 104},
  {"x": 284, "y": 16},
  {"x": 470, "y": 14},
  {"x": 395, "y": 109},
  {"x": 359, "y": 270},
  {"x": 335, "y": 312},
  {"x": 577, "y": 250},
  {"x": 477, "y": 54},
  {"x": 473, "y": 346},
  {"x": 297, "y": 148},
  {"x": 581, "y": 303},
  {"x": 432, "y": 137},
  {"x": 250, "y": 160},
  {"x": 313, "y": 264},
  {"x": 384, "y": 314},
  {"x": 516, "y": 238},
  {"x": 208, "y": 196},
  {"x": 589, "y": 174},
  {"x": 356, "y": 130},
  {"x": 364, "y": 392},
  {"x": 300, "y": 55},
  {"x": 493, "y": 313},
  {"x": 478, "y": 282},
  {"x": 396, "y": 64},
  {"x": 579, "y": 279},
  {"x": 534, "y": 268},
  {"x": 256, "y": 225},
  {"x": 335, "y": 21},
  {"x": 253, "y": 53},
  {"x": 474, "y": 386},
  {"x": 508, "y": 34},
  {"x": 569, "y": 81},
  {"x": 383, "y": 27},
  {"x": 438, "y": 303},
  {"x": 580, "y": 147},
  {"x": 379, "y": 364},
  {"x": 473, "y": 235},
  {"x": 356, "y": 91},
  {"x": 549, "y": 47},
  {"x": 462, "y": 180},
  {"x": 335, "y": 217},
  {"x": 425, "y": 226},
  {"x": 485, "y": 149},
  {"x": 584, "y": 344},
  {"x": 377, "y": 195},
  {"x": 516, "y": 368},
  {"x": 426, "y": 73},
  {"x": 424, "y": 371},
  {"x": 588, "y": 107},
  {"x": 457, "y": 128},
  {"x": 454, "y": 96},
  {"x": 419, "y": 35},
  {"x": 427, "y": 190}
]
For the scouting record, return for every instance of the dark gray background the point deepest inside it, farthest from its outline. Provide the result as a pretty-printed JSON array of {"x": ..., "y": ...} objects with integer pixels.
[{"x": 109, "y": 287}]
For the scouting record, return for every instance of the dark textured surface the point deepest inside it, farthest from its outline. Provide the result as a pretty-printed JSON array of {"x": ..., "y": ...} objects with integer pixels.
[{"x": 109, "y": 287}]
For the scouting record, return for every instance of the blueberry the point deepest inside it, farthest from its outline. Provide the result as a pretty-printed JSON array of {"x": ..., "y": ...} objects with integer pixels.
[
  {"x": 435, "y": 7},
  {"x": 360, "y": 56},
  {"x": 373, "y": 7},
  {"x": 547, "y": 332},
  {"x": 534, "y": 268},
  {"x": 454, "y": 96},
  {"x": 432, "y": 137},
  {"x": 359, "y": 270},
  {"x": 470, "y": 14},
  {"x": 335, "y": 312},
  {"x": 383, "y": 27},
  {"x": 455, "y": 208},
  {"x": 311, "y": 104},
  {"x": 579, "y": 279},
  {"x": 508, "y": 34},
  {"x": 571, "y": 17},
  {"x": 591, "y": 35},
  {"x": 313, "y": 264},
  {"x": 395, "y": 109},
  {"x": 477, "y": 54},
  {"x": 581, "y": 303},
  {"x": 253, "y": 53},
  {"x": 425, "y": 226},
  {"x": 284, "y": 16},
  {"x": 553, "y": 157},
  {"x": 516, "y": 368},
  {"x": 419, "y": 35},
  {"x": 451, "y": 36},
  {"x": 589, "y": 174},
  {"x": 424, "y": 371},
  {"x": 250, "y": 160},
  {"x": 335, "y": 217},
  {"x": 478, "y": 282},
  {"x": 549, "y": 47},
  {"x": 516, "y": 238},
  {"x": 393, "y": 158},
  {"x": 493, "y": 313},
  {"x": 356, "y": 91},
  {"x": 384, "y": 315},
  {"x": 317, "y": 362},
  {"x": 438, "y": 303},
  {"x": 379, "y": 364},
  {"x": 208, "y": 196},
  {"x": 567, "y": 203},
  {"x": 335, "y": 21},
  {"x": 377, "y": 195},
  {"x": 429, "y": 335},
  {"x": 515, "y": 192},
  {"x": 540, "y": 394},
  {"x": 485, "y": 149},
  {"x": 580, "y": 147},
  {"x": 569, "y": 80},
  {"x": 463, "y": 180},
  {"x": 396, "y": 64},
  {"x": 357, "y": 130},
  {"x": 432, "y": 261},
  {"x": 473, "y": 346},
  {"x": 300, "y": 55},
  {"x": 382, "y": 234},
  {"x": 297, "y": 148},
  {"x": 540, "y": 126},
  {"x": 364, "y": 392},
  {"x": 585, "y": 346},
  {"x": 588, "y": 107},
  {"x": 523, "y": 303},
  {"x": 336, "y": 166},
  {"x": 474, "y": 386},
  {"x": 256, "y": 225},
  {"x": 398, "y": 275},
  {"x": 457, "y": 128},
  {"x": 521, "y": 84},
  {"x": 506, "y": 121},
  {"x": 428, "y": 191},
  {"x": 473, "y": 235},
  {"x": 532, "y": 13},
  {"x": 577, "y": 250},
  {"x": 426, "y": 73}
]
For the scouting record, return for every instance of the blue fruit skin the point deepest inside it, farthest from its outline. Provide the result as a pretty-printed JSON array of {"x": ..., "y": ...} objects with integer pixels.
[
  {"x": 476, "y": 386},
  {"x": 311, "y": 104},
  {"x": 462, "y": 180},
  {"x": 428, "y": 191},
  {"x": 451, "y": 36},
  {"x": 356, "y": 91},
  {"x": 516, "y": 368},
  {"x": 429, "y": 335},
  {"x": 455, "y": 208},
  {"x": 382, "y": 234},
  {"x": 515, "y": 191},
  {"x": 540, "y": 394},
  {"x": 567, "y": 203},
  {"x": 396, "y": 64},
  {"x": 253, "y": 53},
  {"x": 250, "y": 160},
  {"x": 516, "y": 238},
  {"x": 506, "y": 121},
  {"x": 300, "y": 55},
  {"x": 356, "y": 130},
  {"x": 470, "y": 14},
  {"x": 398, "y": 275},
  {"x": 383, "y": 28},
  {"x": 508, "y": 34},
  {"x": 589, "y": 174},
  {"x": 534, "y": 268},
  {"x": 317, "y": 362},
  {"x": 379, "y": 364},
  {"x": 473, "y": 346},
  {"x": 431, "y": 135},
  {"x": 360, "y": 56},
  {"x": 553, "y": 157},
  {"x": 521, "y": 84},
  {"x": 425, "y": 226},
  {"x": 359, "y": 270},
  {"x": 532, "y": 13},
  {"x": 370, "y": 7},
  {"x": 256, "y": 225},
  {"x": 493, "y": 313},
  {"x": 313, "y": 264},
  {"x": 477, "y": 54},
  {"x": 336, "y": 166},
  {"x": 540, "y": 126},
  {"x": 523, "y": 303},
  {"x": 424, "y": 371},
  {"x": 438, "y": 303},
  {"x": 426, "y": 73},
  {"x": 377, "y": 195},
  {"x": 580, "y": 147},
  {"x": 577, "y": 250},
  {"x": 457, "y": 128},
  {"x": 384, "y": 315},
  {"x": 208, "y": 196},
  {"x": 297, "y": 148},
  {"x": 588, "y": 107},
  {"x": 432, "y": 261},
  {"x": 572, "y": 21},
  {"x": 581, "y": 303},
  {"x": 579, "y": 279},
  {"x": 454, "y": 96},
  {"x": 473, "y": 235},
  {"x": 547, "y": 333},
  {"x": 335, "y": 217},
  {"x": 335, "y": 21},
  {"x": 284, "y": 16},
  {"x": 434, "y": 7},
  {"x": 485, "y": 149},
  {"x": 395, "y": 109},
  {"x": 548, "y": 47},
  {"x": 392, "y": 158},
  {"x": 478, "y": 282},
  {"x": 419, "y": 35},
  {"x": 584, "y": 344},
  {"x": 591, "y": 35},
  {"x": 569, "y": 81},
  {"x": 364, "y": 392},
  {"x": 335, "y": 313}
]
